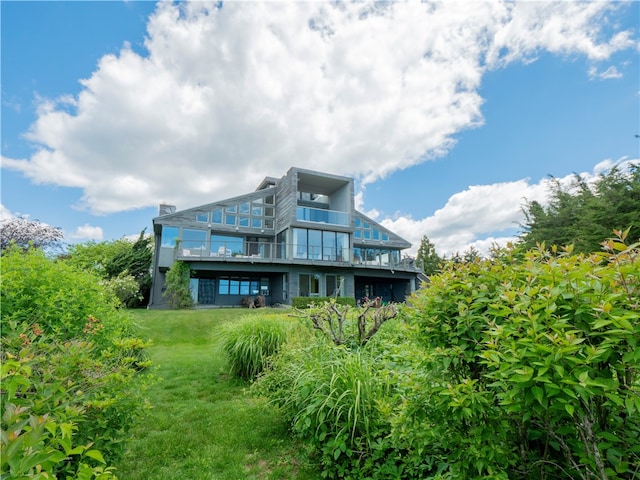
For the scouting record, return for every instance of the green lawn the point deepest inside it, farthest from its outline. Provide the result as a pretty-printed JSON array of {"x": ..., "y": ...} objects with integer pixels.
[{"x": 202, "y": 423}]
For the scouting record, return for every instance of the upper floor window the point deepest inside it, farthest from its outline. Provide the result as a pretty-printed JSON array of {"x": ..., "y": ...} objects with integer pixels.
[
  {"x": 225, "y": 245},
  {"x": 193, "y": 239},
  {"x": 216, "y": 215},
  {"x": 320, "y": 245},
  {"x": 202, "y": 217},
  {"x": 169, "y": 236}
]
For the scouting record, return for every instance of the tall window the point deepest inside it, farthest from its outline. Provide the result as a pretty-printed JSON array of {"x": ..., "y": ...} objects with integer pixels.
[
  {"x": 314, "y": 250},
  {"x": 334, "y": 285},
  {"x": 320, "y": 245},
  {"x": 216, "y": 215},
  {"x": 309, "y": 285},
  {"x": 299, "y": 243},
  {"x": 329, "y": 246}
]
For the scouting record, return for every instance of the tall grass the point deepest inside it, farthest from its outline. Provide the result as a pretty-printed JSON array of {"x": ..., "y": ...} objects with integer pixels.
[
  {"x": 250, "y": 342},
  {"x": 331, "y": 397}
]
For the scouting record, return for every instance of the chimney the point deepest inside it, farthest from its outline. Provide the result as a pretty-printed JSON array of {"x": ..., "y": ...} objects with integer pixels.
[{"x": 166, "y": 209}]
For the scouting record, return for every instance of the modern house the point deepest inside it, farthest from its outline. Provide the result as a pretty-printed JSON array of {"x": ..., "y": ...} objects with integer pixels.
[{"x": 299, "y": 235}]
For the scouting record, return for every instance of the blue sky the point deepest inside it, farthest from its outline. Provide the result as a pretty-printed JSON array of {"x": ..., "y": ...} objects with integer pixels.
[{"x": 448, "y": 116}]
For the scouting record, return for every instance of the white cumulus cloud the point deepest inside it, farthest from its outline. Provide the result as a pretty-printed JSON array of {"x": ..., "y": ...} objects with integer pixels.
[
  {"x": 5, "y": 213},
  {"x": 226, "y": 95},
  {"x": 87, "y": 232}
]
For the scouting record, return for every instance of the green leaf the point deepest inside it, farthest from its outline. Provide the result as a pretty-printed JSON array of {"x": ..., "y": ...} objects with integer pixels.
[
  {"x": 569, "y": 408},
  {"x": 96, "y": 455},
  {"x": 538, "y": 393}
]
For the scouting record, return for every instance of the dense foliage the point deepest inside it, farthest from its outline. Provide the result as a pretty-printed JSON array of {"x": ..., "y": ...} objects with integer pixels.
[
  {"x": 522, "y": 366},
  {"x": 123, "y": 264},
  {"x": 70, "y": 371},
  {"x": 583, "y": 214},
  {"x": 27, "y": 233},
  {"x": 178, "y": 291}
]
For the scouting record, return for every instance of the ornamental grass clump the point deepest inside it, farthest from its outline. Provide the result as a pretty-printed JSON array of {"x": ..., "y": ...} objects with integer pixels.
[
  {"x": 336, "y": 397},
  {"x": 250, "y": 342}
]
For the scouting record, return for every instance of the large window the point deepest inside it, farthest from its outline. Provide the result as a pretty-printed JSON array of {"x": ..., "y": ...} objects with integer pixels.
[
  {"x": 193, "y": 239},
  {"x": 243, "y": 286},
  {"x": 225, "y": 245},
  {"x": 169, "y": 236},
  {"x": 376, "y": 256},
  {"x": 300, "y": 243},
  {"x": 320, "y": 245}
]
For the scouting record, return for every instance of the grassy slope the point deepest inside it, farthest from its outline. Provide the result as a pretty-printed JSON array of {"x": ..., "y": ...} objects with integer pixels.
[{"x": 202, "y": 424}]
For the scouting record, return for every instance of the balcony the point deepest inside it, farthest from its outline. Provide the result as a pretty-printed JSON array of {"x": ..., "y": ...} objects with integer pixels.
[
  {"x": 319, "y": 215},
  {"x": 260, "y": 252}
]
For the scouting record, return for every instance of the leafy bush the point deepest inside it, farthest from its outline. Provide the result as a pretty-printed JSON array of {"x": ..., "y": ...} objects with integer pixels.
[
  {"x": 116, "y": 260},
  {"x": 70, "y": 388},
  {"x": 250, "y": 342},
  {"x": 530, "y": 368},
  {"x": 124, "y": 287},
  {"x": 308, "y": 302}
]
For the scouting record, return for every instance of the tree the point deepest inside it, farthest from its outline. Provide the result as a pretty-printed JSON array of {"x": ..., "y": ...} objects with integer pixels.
[
  {"x": 178, "y": 292},
  {"x": 115, "y": 260},
  {"x": 27, "y": 234},
  {"x": 428, "y": 259},
  {"x": 585, "y": 214}
]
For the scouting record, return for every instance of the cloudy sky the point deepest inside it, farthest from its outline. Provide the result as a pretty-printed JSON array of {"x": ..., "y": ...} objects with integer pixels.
[{"x": 449, "y": 115}]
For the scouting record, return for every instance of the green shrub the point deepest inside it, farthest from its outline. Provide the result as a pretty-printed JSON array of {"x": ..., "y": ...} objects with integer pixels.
[
  {"x": 178, "y": 292},
  {"x": 250, "y": 342},
  {"x": 307, "y": 302},
  {"x": 70, "y": 387},
  {"x": 59, "y": 297},
  {"x": 530, "y": 367}
]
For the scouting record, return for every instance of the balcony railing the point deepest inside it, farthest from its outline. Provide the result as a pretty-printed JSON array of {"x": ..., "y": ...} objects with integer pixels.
[
  {"x": 319, "y": 215},
  {"x": 275, "y": 252}
]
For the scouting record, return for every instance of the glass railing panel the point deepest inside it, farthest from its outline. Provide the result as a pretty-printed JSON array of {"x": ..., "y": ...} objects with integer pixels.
[{"x": 318, "y": 215}]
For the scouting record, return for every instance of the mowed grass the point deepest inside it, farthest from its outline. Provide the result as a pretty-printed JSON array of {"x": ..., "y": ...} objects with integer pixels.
[{"x": 202, "y": 423}]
